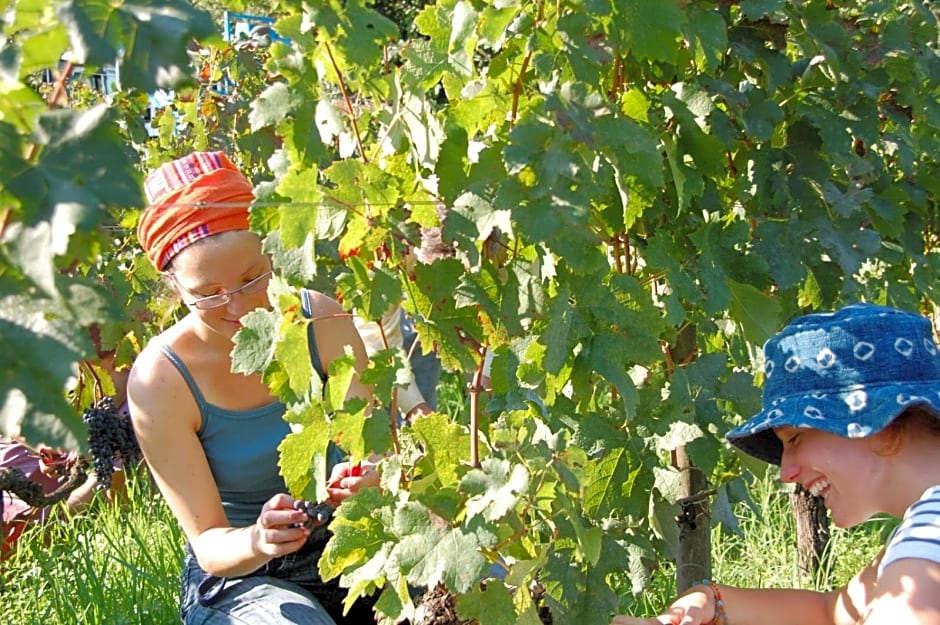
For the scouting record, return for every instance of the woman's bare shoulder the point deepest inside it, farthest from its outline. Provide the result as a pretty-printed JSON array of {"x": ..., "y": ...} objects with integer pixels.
[{"x": 154, "y": 381}]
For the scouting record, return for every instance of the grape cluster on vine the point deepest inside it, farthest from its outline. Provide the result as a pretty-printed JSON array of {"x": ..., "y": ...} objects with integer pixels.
[
  {"x": 110, "y": 439},
  {"x": 317, "y": 513}
]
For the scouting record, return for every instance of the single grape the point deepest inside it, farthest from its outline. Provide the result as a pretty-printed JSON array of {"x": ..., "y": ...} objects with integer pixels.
[{"x": 323, "y": 513}]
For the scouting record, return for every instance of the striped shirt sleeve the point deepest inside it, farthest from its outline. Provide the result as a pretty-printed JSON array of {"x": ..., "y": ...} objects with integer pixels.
[{"x": 918, "y": 535}]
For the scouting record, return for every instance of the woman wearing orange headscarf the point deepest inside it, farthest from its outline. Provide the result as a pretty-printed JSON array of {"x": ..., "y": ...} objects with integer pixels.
[{"x": 209, "y": 435}]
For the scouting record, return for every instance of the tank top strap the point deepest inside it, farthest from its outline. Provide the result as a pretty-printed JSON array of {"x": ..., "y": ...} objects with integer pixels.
[
  {"x": 187, "y": 376},
  {"x": 306, "y": 306}
]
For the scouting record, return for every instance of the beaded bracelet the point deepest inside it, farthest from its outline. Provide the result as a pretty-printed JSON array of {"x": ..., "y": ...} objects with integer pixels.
[{"x": 721, "y": 617}]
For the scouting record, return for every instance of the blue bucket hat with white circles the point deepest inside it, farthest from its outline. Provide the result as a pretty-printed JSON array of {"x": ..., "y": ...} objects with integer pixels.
[{"x": 849, "y": 372}]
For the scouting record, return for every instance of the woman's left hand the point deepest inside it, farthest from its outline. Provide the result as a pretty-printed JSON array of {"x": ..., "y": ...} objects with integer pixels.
[{"x": 347, "y": 478}]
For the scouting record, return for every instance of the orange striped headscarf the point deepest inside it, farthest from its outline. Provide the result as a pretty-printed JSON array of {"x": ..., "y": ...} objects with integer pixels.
[{"x": 189, "y": 199}]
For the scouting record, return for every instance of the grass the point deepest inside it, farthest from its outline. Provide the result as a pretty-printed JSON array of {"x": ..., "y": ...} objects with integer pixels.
[{"x": 111, "y": 565}]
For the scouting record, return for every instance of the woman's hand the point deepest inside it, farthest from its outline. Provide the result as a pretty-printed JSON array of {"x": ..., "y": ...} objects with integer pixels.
[
  {"x": 279, "y": 529},
  {"x": 347, "y": 478},
  {"x": 696, "y": 607}
]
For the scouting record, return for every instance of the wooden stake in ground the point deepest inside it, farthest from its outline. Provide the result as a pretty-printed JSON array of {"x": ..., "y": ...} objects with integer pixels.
[{"x": 812, "y": 529}]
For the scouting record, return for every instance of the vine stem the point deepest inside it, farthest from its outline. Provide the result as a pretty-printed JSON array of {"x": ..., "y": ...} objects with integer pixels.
[
  {"x": 347, "y": 101},
  {"x": 618, "y": 259},
  {"x": 475, "y": 387},
  {"x": 57, "y": 92},
  {"x": 59, "y": 89},
  {"x": 517, "y": 89}
]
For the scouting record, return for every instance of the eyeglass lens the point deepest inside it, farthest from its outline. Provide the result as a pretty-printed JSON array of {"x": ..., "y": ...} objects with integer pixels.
[{"x": 221, "y": 299}]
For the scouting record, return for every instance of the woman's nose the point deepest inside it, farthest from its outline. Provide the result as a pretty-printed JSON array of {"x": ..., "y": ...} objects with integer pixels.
[
  {"x": 240, "y": 304},
  {"x": 789, "y": 467}
]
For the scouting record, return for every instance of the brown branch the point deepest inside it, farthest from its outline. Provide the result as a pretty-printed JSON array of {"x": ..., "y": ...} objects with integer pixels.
[
  {"x": 15, "y": 481},
  {"x": 517, "y": 89},
  {"x": 618, "y": 259},
  {"x": 59, "y": 91},
  {"x": 347, "y": 101}
]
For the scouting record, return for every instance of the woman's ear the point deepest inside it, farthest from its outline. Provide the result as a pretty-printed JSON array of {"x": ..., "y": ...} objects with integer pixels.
[{"x": 888, "y": 441}]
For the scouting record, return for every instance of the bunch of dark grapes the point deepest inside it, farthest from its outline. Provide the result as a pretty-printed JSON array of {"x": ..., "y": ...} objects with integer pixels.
[
  {"x": 110, "y": 438},
  {"x": 317, "y": 513}
]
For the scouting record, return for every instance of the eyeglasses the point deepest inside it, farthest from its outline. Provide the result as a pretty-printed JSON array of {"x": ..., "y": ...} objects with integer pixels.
[{"x": 221, "y": 299}]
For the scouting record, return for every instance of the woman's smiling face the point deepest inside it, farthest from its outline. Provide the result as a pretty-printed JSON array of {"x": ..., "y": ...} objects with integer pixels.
[
  {"x": 220, "y": 264},
  {"x": 843, "y": 471}
]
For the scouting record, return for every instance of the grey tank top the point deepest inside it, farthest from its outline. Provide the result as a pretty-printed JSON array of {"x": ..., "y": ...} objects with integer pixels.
[{"x": 241, "y": 445}]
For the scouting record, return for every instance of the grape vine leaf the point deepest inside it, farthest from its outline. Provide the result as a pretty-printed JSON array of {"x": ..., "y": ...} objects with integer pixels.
[
  {"x": 359, "y": 529},
  {"x": 759, "y": 314},
  {"x": 292, "y": 352},
  {"x": 303, "y": 457},
  {"x": 254, "y": 343},
  {"x": 609, "y": 481},
  {"x": 149, "y": 41},
  {"x": 494, "y": 488},
  {"x": 273, "y": 105},
  {"x": 39, "y": 348},
  {"x": 66, "y": 190},
  {"x": 447, "y": 445},
  {"x": 432, "y": 552},
  {"x": 576, "y": 595},
  {"x": 652, "y": 31},
  {"x": 490, "y": 605}
]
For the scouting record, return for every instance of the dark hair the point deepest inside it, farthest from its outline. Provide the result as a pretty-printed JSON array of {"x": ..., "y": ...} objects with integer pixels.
[{"x": 915, "y": 419}]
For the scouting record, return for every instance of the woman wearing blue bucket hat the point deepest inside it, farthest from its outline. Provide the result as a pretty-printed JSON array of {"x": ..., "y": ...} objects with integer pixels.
[{"x": 851, "y": 412}]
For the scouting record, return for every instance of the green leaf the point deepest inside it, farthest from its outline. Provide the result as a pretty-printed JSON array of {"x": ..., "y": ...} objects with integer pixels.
[
  {"x": 433, "y": 553},
  {"x": 254, "y": 342},
  {"x": 303, "y": 460},
  {"x": 492, "y": 605},
  {"x": 708, "y": 36},
  {"x": 758, "y": 314},
  {"x": 359, "y": 533},
  {"x": 341, "y": 372},
  {"x": 757, "y": 9},
  {"x": 680, "y": 433},
  {"x": 292, "y": 351},
  {"x": 67, "y": 189},
  {"x": 430, "y": 300},
  {"x": 446, "y": 444},
  {"x": 607, "y": 355},
  {"x": 151, "y": 41},
  {"x": 481, "y": 213},
  {"x": 43, "y": 49},
  {"x": 562, "y": 224},
  {"x": 272, "y": 106},
  {"x": 372, "y": 292},
  {"x": 652, "y": 29},
  {"x": 722, "y": 511},
  {"x": 608, "y": 481},
  {"x": 494, "y": 489},
  {"x": 579, "y": 594},
  {"x": 39, "y": 350}
]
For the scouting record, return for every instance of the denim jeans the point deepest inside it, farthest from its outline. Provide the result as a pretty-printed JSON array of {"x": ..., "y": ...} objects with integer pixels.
[{"x": 286, "y": 590}]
